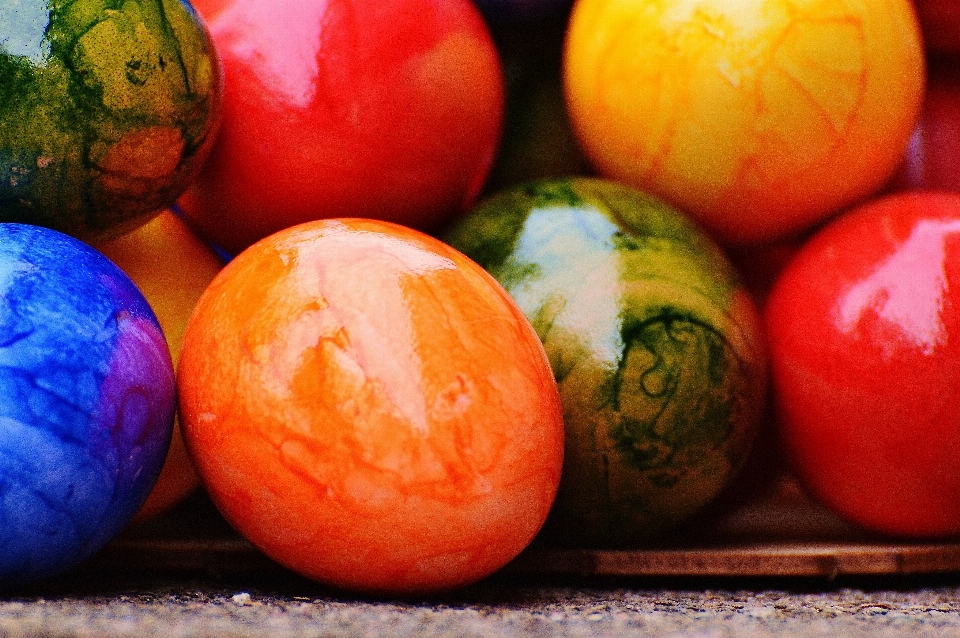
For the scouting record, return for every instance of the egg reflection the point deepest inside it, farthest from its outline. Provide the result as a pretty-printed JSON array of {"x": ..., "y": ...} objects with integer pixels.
[{"x": 907, "y": 289}]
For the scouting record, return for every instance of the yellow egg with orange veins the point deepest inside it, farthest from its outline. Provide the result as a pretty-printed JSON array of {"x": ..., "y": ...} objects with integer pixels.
[{"x": 758, "y": 117}]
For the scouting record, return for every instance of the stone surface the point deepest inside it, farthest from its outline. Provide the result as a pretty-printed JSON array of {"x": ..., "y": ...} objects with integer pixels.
[{"x": 171, "y": 607}]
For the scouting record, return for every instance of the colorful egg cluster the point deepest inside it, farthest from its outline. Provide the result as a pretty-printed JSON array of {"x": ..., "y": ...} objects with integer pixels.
[{"x": 480, "y": 286}]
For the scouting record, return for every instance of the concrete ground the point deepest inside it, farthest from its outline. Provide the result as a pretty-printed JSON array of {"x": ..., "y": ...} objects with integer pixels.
[
  {"x": 105, "y": 605},
  {"x": 189, "y": 574}
]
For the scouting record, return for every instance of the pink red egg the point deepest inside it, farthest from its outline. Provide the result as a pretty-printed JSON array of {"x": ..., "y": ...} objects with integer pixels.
[
  {"x": 390, "y": 110},
  {"x": 864, "y": 332},
  {"x": 370, "y": 408}
]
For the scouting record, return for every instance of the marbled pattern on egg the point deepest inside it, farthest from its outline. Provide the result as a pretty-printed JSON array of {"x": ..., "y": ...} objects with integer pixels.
[{"x": 86, "y": 401}]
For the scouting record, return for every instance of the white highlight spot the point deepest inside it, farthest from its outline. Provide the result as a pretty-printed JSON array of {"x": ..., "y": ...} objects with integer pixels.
[{"x": 907, "y": 289}]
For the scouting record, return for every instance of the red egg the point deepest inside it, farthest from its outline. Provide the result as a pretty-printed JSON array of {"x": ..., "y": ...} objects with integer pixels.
[
  {"x": 864, "y": 333},
  {"x": 370, "y": 408},
  {"x": 344, "y": 108}
]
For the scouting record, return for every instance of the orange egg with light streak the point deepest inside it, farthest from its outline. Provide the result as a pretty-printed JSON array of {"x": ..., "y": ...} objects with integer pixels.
[
  {"x": 172, "y": 267},
  {"x": 758, "y": 117},
  {"x": 370, "y": 408}
]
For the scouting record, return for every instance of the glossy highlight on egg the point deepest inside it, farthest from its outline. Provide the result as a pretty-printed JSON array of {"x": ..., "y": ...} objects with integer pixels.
[
  {"x": 655, "y": 344},
  {"x": 863, "y": 326},
  {"x": 347, "y": 108}
]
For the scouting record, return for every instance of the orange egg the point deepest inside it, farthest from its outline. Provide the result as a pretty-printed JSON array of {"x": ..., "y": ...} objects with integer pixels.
[
  {"x": 758, "y": 117},
  {"x": 370, "y": 408},
  {"x": 172, "y": 267}
]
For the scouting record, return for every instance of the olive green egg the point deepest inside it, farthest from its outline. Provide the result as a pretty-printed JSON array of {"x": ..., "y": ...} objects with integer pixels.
[
  {"x": 108, "y": 108},
  {"x": 654, "y": 342}
]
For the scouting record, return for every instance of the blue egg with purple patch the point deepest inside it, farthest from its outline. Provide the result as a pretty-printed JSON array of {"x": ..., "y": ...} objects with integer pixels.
[{"x": 87, "y": 402}]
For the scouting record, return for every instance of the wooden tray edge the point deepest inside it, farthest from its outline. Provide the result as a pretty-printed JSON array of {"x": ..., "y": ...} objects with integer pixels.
[{"x": 826, "y": 560}]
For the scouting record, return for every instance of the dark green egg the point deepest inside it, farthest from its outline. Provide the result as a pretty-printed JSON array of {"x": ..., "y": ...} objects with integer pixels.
[
  {"x": 654, "y": 342},
  {"x": 107, "y": 110}
]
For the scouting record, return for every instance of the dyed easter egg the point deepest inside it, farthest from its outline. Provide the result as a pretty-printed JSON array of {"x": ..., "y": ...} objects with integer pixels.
[
  {"x": 87, "y": 401},
  {"x": 760, "y": 118},
  {"x": 107, "y": 111},
  {"x": 655, "y": 345},
  {"x": 370, "y": 408},
  {"x": 862, "y": 327},
  {"x": 347, "y": 108},
  {"x": 172, "y": 268}
]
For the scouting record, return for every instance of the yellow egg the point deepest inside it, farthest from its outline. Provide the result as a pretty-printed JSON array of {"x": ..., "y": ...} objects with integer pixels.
[
  {"x": 758, "y": 117},
  {"x": 172, "y": 268}
]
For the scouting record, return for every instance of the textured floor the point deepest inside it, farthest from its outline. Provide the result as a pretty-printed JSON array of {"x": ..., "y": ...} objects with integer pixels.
[
  {"x": 221, "y": 590},
  {"x": 102, "y": 605}
]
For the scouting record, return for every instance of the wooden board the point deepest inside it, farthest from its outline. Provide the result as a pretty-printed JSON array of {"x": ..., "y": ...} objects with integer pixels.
[
  {"x": 783, "y": 559},
  {"x": 236, "y": 557},
  {"x": 776, "y": 531}
]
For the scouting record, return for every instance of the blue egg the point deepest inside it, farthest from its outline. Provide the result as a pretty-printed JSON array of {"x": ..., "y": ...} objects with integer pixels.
[{"x": 87, "y": 401}]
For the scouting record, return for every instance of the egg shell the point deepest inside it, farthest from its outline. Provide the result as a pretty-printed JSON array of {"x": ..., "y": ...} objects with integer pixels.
[
  {"x": 347, "y": 108},
  {"x": 370, "y": 408},
  {"x": 759, "y": 118},
  {"x": 655, "y": 343},
  {"x": 862, "y": 327},
  {"x": 107, "y": 111},
  {"x": 87, "y": 402}
]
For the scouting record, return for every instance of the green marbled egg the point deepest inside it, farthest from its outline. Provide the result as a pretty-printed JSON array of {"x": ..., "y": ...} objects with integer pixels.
[
  {"x": 654, "y": 343},
  {"x": 107, "y": 110}
]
